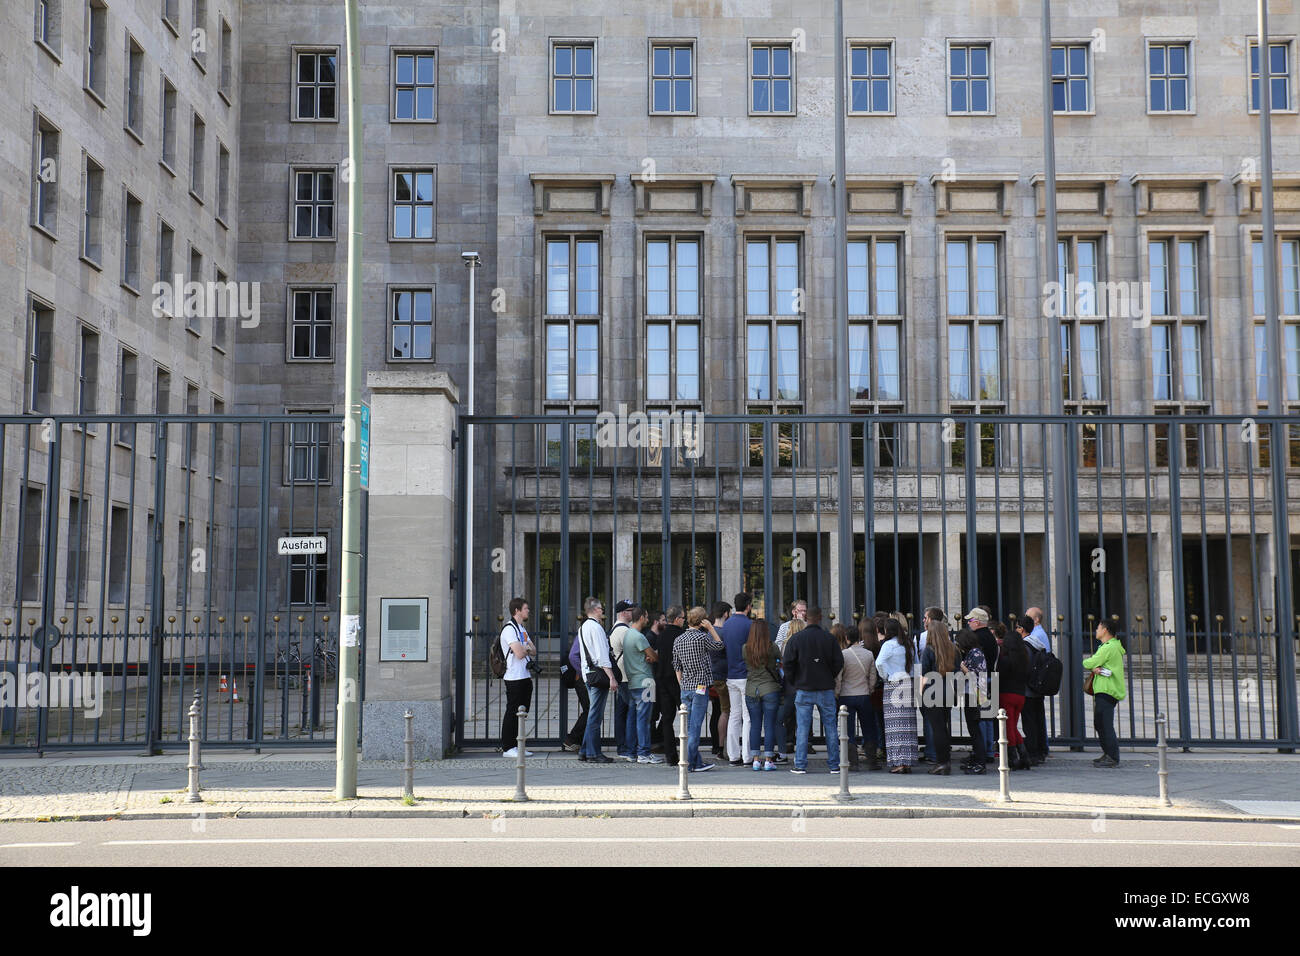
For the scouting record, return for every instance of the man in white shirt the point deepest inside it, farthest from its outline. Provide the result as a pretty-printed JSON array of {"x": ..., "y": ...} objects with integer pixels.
[
  {"x": 594, "y": 650},
  {"x": 518, "y": 650},
  {"x": 622, "y": 614},
  {"x": 1034, "y": 716}
]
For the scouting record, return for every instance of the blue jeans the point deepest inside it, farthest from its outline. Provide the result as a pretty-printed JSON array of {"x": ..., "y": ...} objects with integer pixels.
[
  {"x": 824, "y": 701},
  {"x": 697, "y": 709},
  {"x": 622, "y": 744},
  {"x": 637, "y": 724},
  {"x": 860, "y": 707},
  {"x": 989, "y": 729},
  {"x": 595, "y": 715},
  {"x": 762, "y": 723},
  {"x": 929, "y": 741}
]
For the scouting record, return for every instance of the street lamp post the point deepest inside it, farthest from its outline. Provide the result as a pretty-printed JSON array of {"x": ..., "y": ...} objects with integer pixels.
[
  {"x": 841, "y": 350},
  {"x": 345, "y": 780},
  {"x": 471, "y": 260}
]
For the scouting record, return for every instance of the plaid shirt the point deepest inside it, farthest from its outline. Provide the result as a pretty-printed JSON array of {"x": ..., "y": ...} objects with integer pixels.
[{"x": 691, "y": 657}]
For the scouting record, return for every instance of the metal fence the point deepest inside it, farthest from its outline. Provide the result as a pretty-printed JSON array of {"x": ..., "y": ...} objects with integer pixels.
[
  {"x": 141, "y": 565},
  {"x": 1172, "y": 536}
]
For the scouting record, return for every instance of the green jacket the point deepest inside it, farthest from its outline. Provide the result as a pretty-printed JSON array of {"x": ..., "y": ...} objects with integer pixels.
[{"x": 1110, "y": 656}]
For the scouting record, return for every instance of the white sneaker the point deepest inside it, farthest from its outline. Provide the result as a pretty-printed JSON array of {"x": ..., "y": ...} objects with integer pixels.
[
  {"x": 655, "y": 759},
  {"x": 643, "y": 759},
  {"x": 514, "y": 752}
]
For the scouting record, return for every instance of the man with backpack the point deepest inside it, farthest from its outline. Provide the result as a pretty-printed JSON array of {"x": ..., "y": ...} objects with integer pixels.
[
  {"x": 518, "y": 651},
  {"x": 599, "y": 673},
  {"x": 1042, "y": 665}
]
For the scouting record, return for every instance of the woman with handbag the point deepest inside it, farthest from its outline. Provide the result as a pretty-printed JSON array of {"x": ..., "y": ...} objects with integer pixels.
[
  {"x": 895, "y": 668},
  {"x": 762, "y": 695},
  {"x": 853, "y": 687},
  {"x": 1105, "y": 682}
]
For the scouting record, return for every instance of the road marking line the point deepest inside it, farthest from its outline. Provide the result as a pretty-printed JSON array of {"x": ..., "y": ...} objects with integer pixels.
[
  {"x": 689, "y": 839},
  {"x": 19, "y": 846}
]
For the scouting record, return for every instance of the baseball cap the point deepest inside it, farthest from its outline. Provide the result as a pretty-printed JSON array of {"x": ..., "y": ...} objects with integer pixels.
[
  {"x": 622, "y": 606},
  {"x": 978, "y": 614}
]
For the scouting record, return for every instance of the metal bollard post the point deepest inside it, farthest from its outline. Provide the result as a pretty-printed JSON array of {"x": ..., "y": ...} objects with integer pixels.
[
  {"x": 683, "y": 768},
  {"x": 844, "y": 796},
  {"x": 408, "y": 768},
  {"x": 1162, "y": 743},
  {"x": 1004, "y": 769},
  {"x": 194, "y": 765},
  {"x": 521, "y": 754}
]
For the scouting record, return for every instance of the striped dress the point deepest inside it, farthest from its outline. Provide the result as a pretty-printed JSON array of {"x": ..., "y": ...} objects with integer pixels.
[{"x": 900, "y": 717}]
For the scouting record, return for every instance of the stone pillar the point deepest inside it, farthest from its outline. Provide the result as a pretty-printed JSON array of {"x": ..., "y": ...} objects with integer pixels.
[{"x": 412, "y": 543}]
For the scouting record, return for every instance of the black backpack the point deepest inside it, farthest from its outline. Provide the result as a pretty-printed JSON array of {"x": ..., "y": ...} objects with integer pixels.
[{"x": 1045, "y": 671}]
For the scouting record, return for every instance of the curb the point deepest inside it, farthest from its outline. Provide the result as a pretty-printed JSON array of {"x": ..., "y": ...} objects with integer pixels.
[{"x": 505, "y": 809}]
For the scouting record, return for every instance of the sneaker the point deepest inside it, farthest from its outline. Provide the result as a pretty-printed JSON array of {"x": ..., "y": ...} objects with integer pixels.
[
  {"x": 629, "y": 757},
  {"x": 514, "y": 752},
  {"x": 834, "y": 770},
  {"x": 798, "y": 770},
  {"x": 599, "y": 758},
  {"x": 707, "y": 766},
  {"x": 653, "y": 759},
  {"x": 758, "y": 764},
  {"x": 737, "y": 762},
  {"x": 780, "y": 759},
  {"x": 1105, "y": 761},
  {"x": 571, "y": 748},
  {"x": 643, "y": 759},
  {"x": 768, "y": 765}
]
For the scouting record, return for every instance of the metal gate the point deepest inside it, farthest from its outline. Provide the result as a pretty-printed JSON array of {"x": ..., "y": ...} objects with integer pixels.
[
  {"x": 1172, "y": 530},
  {"x": 142, "y": 568}
]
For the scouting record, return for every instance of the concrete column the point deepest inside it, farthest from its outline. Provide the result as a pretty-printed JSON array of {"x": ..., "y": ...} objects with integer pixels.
[
  {"x": 412, "y": 543},
  {"x": 729, "y": 560},
  {"x": 625, "y": 580}
]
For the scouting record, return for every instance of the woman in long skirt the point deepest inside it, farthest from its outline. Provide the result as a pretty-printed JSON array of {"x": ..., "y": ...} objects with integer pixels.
[{"x": 895, "y": 668}]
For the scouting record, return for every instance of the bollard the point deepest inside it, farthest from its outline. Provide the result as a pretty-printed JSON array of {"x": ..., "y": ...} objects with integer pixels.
[
  {"x": 194, "y": 765},
  {"x": 683, "y": 768},
  {"x": 1162, "y": 743},
  {"x": 408, "y": 768},
  {"x": 844, "y": 796},
  {"x": 1004, "y": 770},
  {"x": 521, "y": 754}
]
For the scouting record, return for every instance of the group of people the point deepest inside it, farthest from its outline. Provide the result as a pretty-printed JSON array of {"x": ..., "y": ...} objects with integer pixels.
[{"x": 764, "y": 688}]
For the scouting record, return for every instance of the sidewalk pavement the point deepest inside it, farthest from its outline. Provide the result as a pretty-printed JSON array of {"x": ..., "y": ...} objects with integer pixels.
[{"x": 1207, "y": 785}]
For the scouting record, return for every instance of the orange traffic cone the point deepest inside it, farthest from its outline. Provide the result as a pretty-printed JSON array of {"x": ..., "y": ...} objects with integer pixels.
[
  {"x": 236, "y": 697},
  {"x": 224, "y": 684}
]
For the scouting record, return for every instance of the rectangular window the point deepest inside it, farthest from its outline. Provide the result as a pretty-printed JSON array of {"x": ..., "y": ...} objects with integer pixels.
[
  {"x": 166, "y": 258},
  {"x": 191, "y": 429},
  {"x": 311, "y": 324},
  {"x": 127, "y": 390},
  {"x": 970, "y": 87},
  {"x": 672, "y": 276},
  {"x": 192, "y": 317},
  {"x": 45, "y": 180},
  {"x": 1174, "y": 265},
  {"x": 315, "y": 85},
  {"x": 313, "y": 203},
  {"x": 1289, "y": 267},
  {"x": 92, "y": 225},
  {"x": 309, "y": 577},
  {"x": 131, "y": 223},
  {"x": 572, "y": 362},
  {"x": 1279, "y": 76},
  {"x": 149, "y": 553},
  {"x": 48, "y": 24},
  {"x": 218, "y": 440},
  {"x": 1168, "y": 77},
  {"x": 40, "y": 358},
  {"x": 413, "y": 201},
  {"x": 119, "y": 533},
  {"x": 415, "y": 86},
  {"x": 134, "y": 105},
  {"x": 771, "y": 78},
  {"x": 226, "y": 78},
  {"x": 977, "y": 260},
  {"x": 672, "y": 78},
  {"x": 773, "y": 376},
  {"x": 171, "y": 14},
  {"x": 974, "y": 362},
  {"x": 162, "y": 391},
  {"x": 198, "y": 145},
  {"x": 32, "y": 543},
  {"x": 1071, "y": 78},
  {"x": 182, "y": 562},
  {"x": 572, "y": 276},
  {"x": 77, "y": 568},
  {"x": 223, "y": 182},
  {"x": 871, "y": 78},
  {"x": 411, "y": 325},
  {"x": 1179, "y": 385},
  {"x": 772, "y": 284},
  {"x": 199, "y": 36},
  {"x": 88, "y": 374},
  {"x": 309, "y": 451},
  {"x": 225, "y": 307},
  {"x": 96, "y": 60},
  {"x": 573, "y": 77},
  {"x": 168, "y": 113}
]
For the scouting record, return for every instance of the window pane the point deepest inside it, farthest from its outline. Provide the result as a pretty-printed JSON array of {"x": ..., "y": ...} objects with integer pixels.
[
  {"x": 564, "y": 95},
  {"x": 1290, "y": 304},
  {"x": 1191, "y": 361},
  {"x": 787, "y": 276},
  {"x": 557, "y": 277},
  {"x": 858, "y": 61},
  {"x": 756, "y": 278},
  {"x": 888, "y": 385},
  {"x": 425, "y": 69},
  {"x": 781, "y": 61},
  {"x": 959, "y": 104},
  {"x": 682, "y": 61},
  {"x": 880, "y": 61},
  {"x": 859, "y": 362},
  {"x": 987, "y": 277},
  {"x": 564, "y": 61},
  {"x": 424, "y": 102},
  {"x": 760, "y": 61},
  {"x": 990, "y": 366},
  {"x": 657, "y": 278},
  {"x": 406, "y": 69},
  {"x": 1158, "y": 103},
  {"x": 584, "y": 59},
  {"x": 688, "y": 278},
  {"x": 859, "y": 301},
  {"x": 957, "y": 279},
  {"x": 979, "y": 96},
  {"x": 588, "y": 277},
  {"x": 688, "y": 363},
  {"x": 1090, "y": 362},
  {"x": 657, "y": 358},
  {"x": 1257, "y": 276},
  {"x": 1188, "y": 297},
  {"x": 1161, "y": 364},
  {"x": 957, "y": 61},
  {"x": 787, "y": 362},
  {"x": 761, "y": 89},
  {"x": 1078, "y": 61},
  {"x": 959, "y": 362},
  {"x": 661, "y": 65},
  {"x": 557, "y": 362},
  {"x": 1261, "y": 364},
  {"x": 979, "y": 61},
  {"x": 586, "y": 386},
  {"x": 584, "y": 96},
  {"x": 781, "y": 96},
  {"x": 682, "y": 93},
  {"x": 1291, "y": 343},
  {"x": 758, "y": 364},
  {"x": 1157, "y": 258},
  {"x": 887, "y": 277}
]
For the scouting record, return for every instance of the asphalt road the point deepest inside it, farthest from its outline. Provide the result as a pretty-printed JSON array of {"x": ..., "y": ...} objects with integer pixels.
[{"x": 647, "y": 842}]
